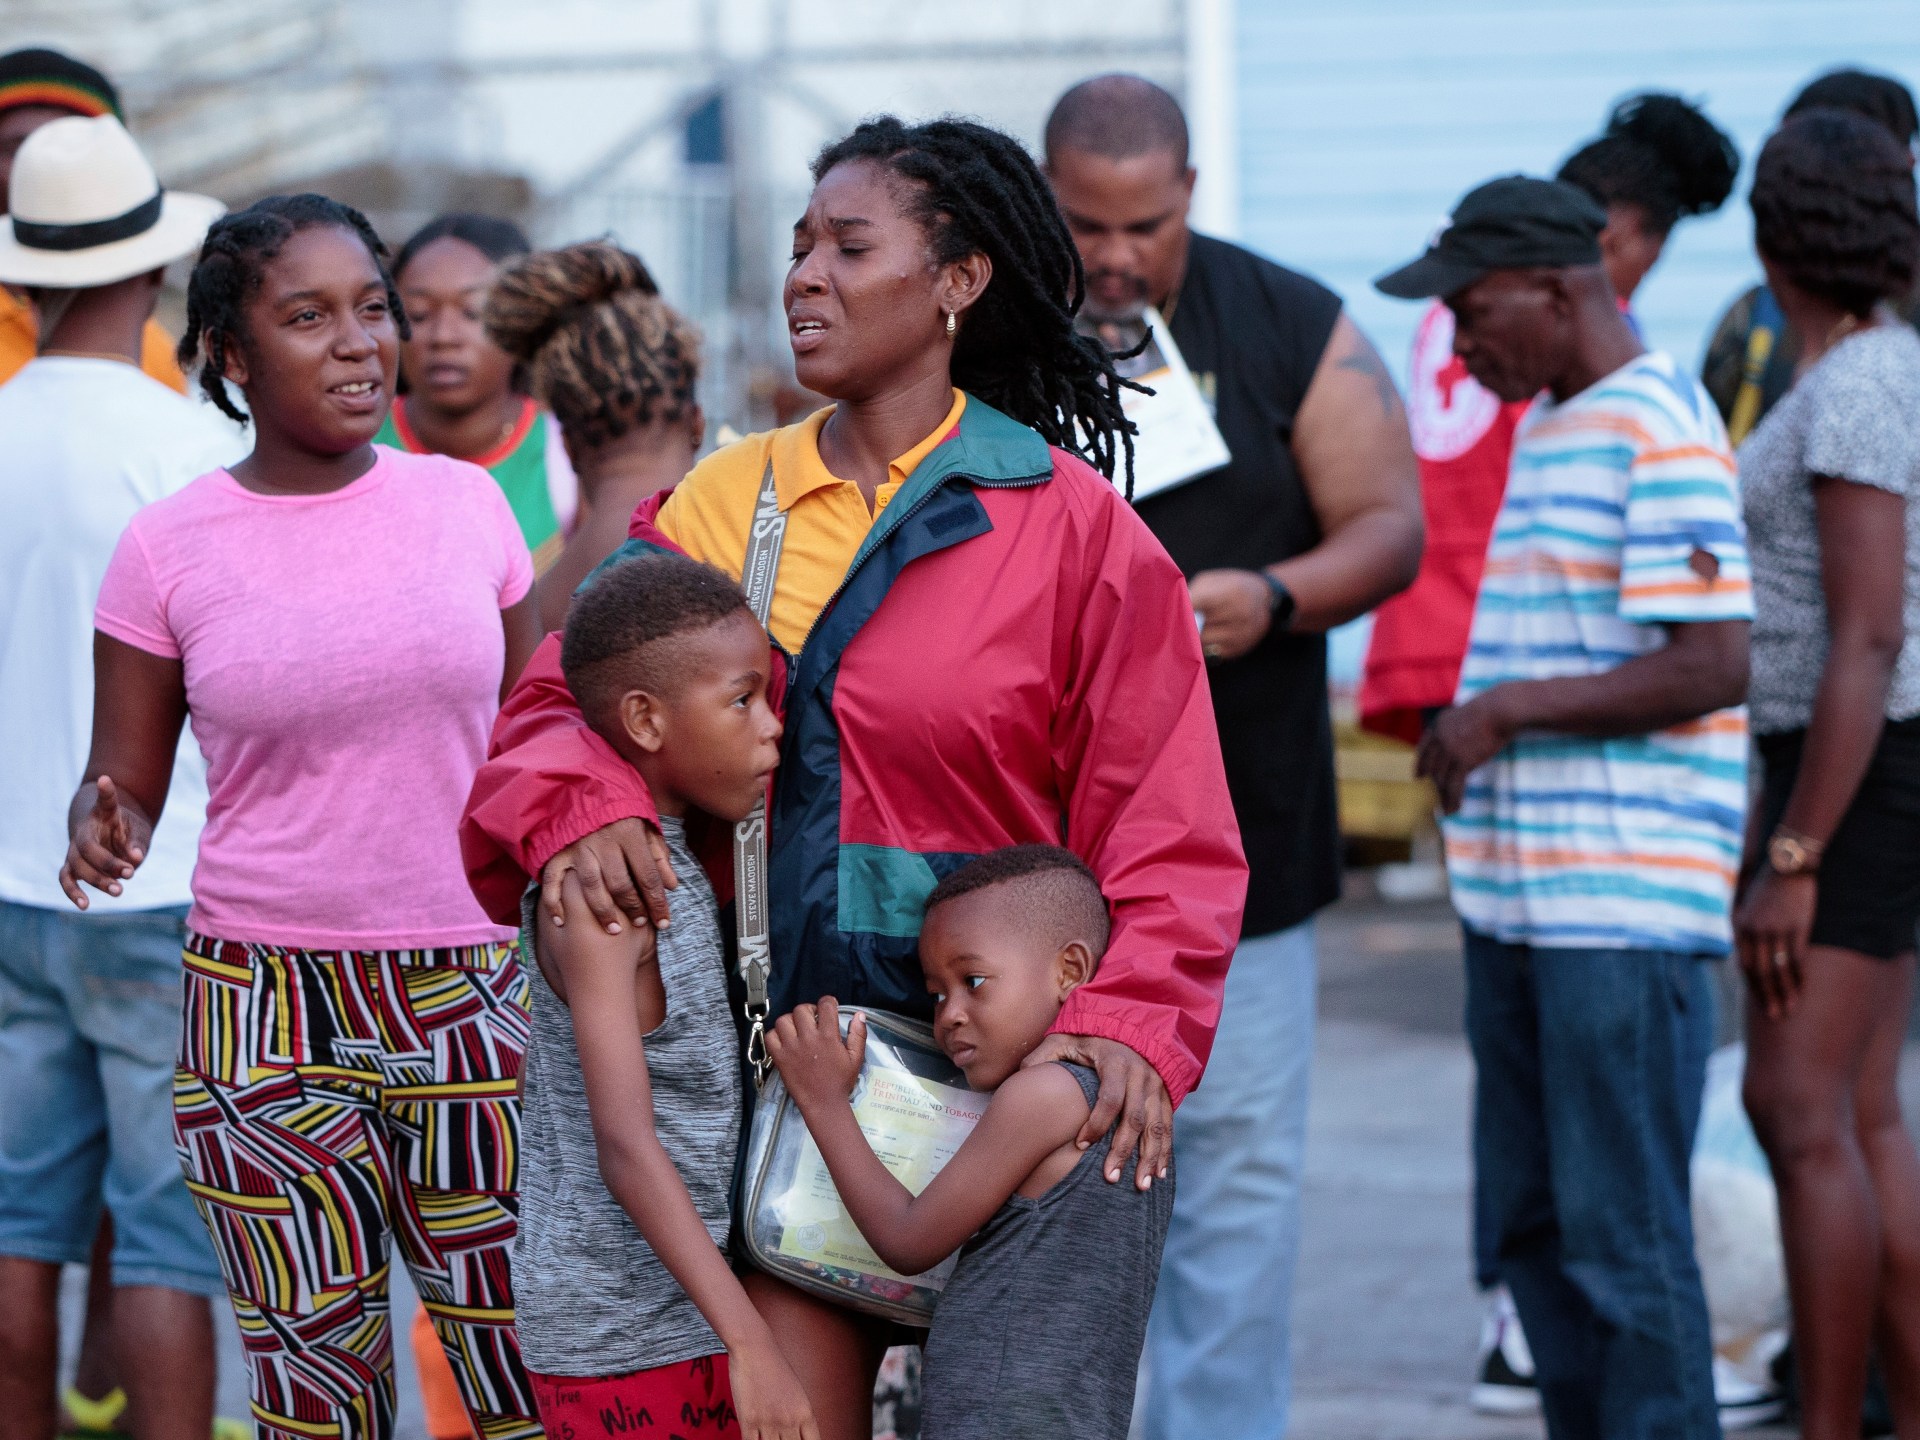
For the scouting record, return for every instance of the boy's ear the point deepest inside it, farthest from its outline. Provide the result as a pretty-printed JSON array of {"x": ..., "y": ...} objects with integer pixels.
[
  {"x": 1073, "y": 966},
  {"x": 644, "y": 719}
]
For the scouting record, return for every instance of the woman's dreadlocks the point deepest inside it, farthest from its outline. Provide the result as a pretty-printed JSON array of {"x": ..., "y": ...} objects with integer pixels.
[
  {"x": 227, "y": 274},
  {"x": 979, "y": 190}
]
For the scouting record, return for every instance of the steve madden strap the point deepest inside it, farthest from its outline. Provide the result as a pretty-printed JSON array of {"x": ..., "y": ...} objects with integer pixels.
[{"x": 750, "y": 835}]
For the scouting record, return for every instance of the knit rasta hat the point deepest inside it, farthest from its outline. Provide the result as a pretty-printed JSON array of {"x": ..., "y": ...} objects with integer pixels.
[{"x": 46, "y": 77}]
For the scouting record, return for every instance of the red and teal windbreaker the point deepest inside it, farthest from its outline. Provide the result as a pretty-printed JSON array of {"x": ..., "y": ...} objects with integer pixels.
[{"x": 1011, "y": 658}]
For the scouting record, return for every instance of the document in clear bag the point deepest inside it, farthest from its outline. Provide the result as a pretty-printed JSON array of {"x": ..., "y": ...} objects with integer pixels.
[{"x": 915, "y": 1109}]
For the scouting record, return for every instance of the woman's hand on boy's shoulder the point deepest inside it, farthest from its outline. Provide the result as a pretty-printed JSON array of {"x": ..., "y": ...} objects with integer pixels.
[
  {"x": 1133, "y": 1103},
  {"x": 563, "y": 951},
  {"x": 624, "y": 873},
  {"x": 815, "y": 1063}
]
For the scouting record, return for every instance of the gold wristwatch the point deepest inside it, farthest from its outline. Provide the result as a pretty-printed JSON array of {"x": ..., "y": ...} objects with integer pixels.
[{"x": 1792, "y": 854}]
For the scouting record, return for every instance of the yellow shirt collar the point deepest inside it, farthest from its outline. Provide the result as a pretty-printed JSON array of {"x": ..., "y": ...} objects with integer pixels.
[{"x": 798, "y": 469}]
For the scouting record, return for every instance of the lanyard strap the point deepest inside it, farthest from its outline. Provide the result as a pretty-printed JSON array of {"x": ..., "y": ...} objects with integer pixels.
[
  {"x": 1762, "y": 334},
  {"x": 750, "y": 835}
]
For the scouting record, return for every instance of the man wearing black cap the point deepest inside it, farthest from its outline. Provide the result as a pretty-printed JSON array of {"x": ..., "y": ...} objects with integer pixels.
[
  {"x": 1593, "y": 768},
  {"x": 37, "y": 86}
]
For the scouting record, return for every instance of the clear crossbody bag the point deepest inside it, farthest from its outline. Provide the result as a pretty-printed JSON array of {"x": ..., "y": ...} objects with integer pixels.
[
  {"x": 915, "y": 1109},
  {"x": 913, "y": 1105}
]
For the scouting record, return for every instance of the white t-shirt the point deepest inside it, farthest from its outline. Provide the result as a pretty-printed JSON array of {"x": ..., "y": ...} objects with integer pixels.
[{"x": 86, "y": 443}]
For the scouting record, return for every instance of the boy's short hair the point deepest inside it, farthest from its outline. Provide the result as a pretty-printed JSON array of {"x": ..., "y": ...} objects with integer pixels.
[
  {"x": 1059, "y": 894},
  {"x": 614, "y": 629}
]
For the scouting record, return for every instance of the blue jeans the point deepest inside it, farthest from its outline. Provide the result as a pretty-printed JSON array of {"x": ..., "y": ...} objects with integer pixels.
[
  {"x": 1217, "y": 1355},
  {"x": 89, "y": 1020},
  {"x": 1590, "y": 1068}
]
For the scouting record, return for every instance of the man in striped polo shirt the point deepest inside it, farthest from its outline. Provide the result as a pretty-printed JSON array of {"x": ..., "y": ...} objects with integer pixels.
[{"x": 1594, "y": 766}]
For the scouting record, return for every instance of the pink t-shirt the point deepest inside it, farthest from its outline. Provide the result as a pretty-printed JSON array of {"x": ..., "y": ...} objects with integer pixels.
[{"x": 343, "y": 656}]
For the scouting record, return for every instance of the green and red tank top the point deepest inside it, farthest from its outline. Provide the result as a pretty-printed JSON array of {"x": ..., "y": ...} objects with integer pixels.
[{"x": 528, "y": 465}]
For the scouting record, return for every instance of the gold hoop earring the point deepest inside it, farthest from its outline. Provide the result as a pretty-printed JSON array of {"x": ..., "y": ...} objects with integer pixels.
[{"x": 951, "y": 327}]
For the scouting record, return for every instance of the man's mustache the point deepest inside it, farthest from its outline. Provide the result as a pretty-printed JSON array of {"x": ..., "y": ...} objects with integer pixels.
[{"x": 1125, "y": 277}]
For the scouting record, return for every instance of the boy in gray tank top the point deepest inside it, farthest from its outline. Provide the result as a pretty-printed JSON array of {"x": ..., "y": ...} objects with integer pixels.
[
  {"x": 1051, "y": 1250},
  {"x": 629, "y": 1315}
]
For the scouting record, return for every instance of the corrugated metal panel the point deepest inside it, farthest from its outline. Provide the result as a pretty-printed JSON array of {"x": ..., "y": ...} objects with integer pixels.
[{"x": 1361, "y": 123}]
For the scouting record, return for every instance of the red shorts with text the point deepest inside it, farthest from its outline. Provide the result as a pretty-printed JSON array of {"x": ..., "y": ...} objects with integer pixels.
[{"x": 690, "y": 1399}]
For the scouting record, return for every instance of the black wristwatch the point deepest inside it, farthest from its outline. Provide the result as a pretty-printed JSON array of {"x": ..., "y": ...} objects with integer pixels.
[{"x": 1279, "y": 601}]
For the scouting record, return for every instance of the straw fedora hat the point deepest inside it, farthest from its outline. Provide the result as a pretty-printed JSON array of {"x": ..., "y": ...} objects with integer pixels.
[{"x": 87, "y": 210}]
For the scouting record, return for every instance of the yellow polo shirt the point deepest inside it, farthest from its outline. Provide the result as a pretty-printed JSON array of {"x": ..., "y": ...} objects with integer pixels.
[{"x": 710, "y": 514}]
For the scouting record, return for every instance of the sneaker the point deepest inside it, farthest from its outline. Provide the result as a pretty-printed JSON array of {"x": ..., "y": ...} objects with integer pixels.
[
  {"x": 1744, "y": 1403},
  {"x": 1503, "y": 1379}
]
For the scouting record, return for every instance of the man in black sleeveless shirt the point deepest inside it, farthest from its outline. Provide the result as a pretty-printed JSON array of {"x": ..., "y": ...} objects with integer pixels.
[{"x": 1314, "y": 520}]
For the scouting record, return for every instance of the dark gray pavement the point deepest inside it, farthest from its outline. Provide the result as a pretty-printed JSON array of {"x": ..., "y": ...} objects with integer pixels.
[{"x": 1386, "y": 1318}]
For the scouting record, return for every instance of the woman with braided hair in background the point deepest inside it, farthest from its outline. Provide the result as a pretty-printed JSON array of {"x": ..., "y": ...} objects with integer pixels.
[
  {"x": 616, "y": 366},
  {"x": 984, "y": 646},
  {"x": 1658, "y": 162},
  {"x": 338, "y": 620},
  {"x": 1753, "y": 355}
]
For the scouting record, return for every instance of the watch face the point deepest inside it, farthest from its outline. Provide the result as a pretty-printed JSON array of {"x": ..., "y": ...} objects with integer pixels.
[{"x": 1789, "y": 857}]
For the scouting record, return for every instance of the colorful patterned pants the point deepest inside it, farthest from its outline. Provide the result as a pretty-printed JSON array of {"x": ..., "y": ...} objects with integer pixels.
[{"x": 325, "y": 1103}]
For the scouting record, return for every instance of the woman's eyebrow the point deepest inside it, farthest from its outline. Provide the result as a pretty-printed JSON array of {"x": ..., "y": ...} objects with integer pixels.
[{"x": 317, "y": 292}]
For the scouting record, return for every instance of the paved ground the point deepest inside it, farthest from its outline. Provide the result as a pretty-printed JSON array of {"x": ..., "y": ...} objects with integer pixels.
[{"x": 1387, "y": 1318}]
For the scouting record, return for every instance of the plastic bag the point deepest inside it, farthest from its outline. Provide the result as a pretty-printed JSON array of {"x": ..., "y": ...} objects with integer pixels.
[{"x": 1736, "y": 1225}]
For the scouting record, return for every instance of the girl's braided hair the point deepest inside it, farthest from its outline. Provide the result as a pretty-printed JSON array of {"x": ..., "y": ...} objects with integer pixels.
[
  {"x": 976, "y": 189},
  {"x": 227, "y": 274},
  {"x": 601, "y": 349},
  {"x": 1880, "y": 98}
]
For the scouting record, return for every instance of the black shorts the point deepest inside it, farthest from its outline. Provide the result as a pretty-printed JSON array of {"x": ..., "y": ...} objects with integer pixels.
[{"x": 1870, "y": 874}]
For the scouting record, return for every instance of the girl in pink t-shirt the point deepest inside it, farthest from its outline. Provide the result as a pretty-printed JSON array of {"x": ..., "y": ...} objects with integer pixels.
[{"x": 338, "y": 621}]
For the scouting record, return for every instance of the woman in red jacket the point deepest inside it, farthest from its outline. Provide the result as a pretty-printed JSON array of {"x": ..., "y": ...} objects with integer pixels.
[{"x": 985, "y": 646}]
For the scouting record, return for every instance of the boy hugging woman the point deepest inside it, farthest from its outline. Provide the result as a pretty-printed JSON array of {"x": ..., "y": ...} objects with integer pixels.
[{"x": 628, "y": 1304}]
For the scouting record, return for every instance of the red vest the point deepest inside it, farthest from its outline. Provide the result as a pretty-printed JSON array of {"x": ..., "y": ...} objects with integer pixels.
[{"x": 1463, "y": 437}]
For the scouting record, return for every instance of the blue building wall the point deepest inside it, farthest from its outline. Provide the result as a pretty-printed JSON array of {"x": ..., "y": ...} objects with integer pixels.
[{"x": 1363, "y": 120}]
